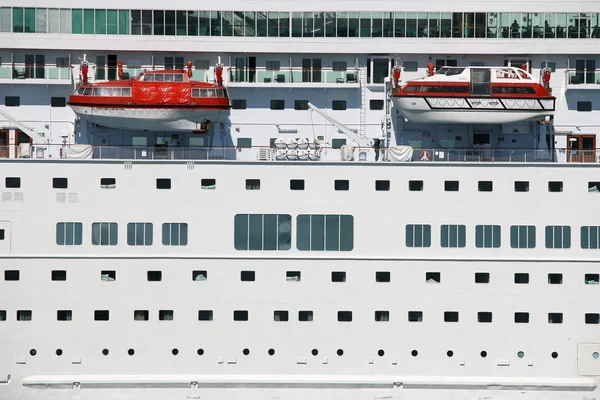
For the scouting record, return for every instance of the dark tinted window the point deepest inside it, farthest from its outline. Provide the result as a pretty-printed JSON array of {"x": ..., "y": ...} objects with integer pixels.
[
  {"x": 58, "y": 102},
  {"x": 581, "y": 106},
  {"x": 12, "y": 101},
  {"x": 338, "y": 105},
  {"x": 301, "y": 105},
  {"x": 59, "y": 183}
]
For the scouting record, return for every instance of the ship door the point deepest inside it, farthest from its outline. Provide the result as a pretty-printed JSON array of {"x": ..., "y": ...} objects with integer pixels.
[
  {"x": 21, "y": 137},
  {"x": 4, "y": 135},
  {"x": 582, "y": 148},
  {"x": 481, "y": 84}
]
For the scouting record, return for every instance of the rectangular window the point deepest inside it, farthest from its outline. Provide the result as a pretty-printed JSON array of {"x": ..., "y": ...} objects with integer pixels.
[
  {"x": 248, "y": 276},
  {"x": 451, "y": 186},
  {"x": 415, "y": 186},
  {"x": 337, "y": 143},
  {"x": 58, "y": 102},
  {"x": 244, "y": 143},
  {"x": 238, "y": 104},
  {"x": 154, "y": 276},
  {"x": 18, "y": 20},
  {"x": 548, "y": 64},
  {"x": 163, "y": 183},
  {"x": 305, "y": 316},
  {"x": 208, "y": 183},
  {"x": 555, "y": 186},
  {"x": 411, "y": 66},
  {"x": 2, "y": 315},
  {"x": 108, "y": 183},
  {"x": 338, "y": 276},
  {"x": 341, "y": 184},
  {"x": 296, "y": 184},
  {"x": 521, "y": 317},
  {"x": 415, "y": 316},
  {"x": 281, "y": 316},
  {"x": 558, "y": 237},
  {"x": 300, "y": 104},
  {"x": 175, "y": 234},
  {"x": 487, "y": 236},
  {"x": 338, "y": 105},
  {"x": 522, "y": 237},
  {"x": 339, "y": 65},
  {"x": 108, "y": 276},
  {"x": 522, "y": 278},
  {"x": 240, "y": 315},
  {"x": 522, "y": 186},
  {"x": 376, "y": 104},
  {"x": 59, "y": 275},
  {"x": 584, "y": 106},
  {"x": 293, "y": 276},
  {"x": 555, "y": 279},
  {"x": 345, "y": 316},
  {"x": 12, "y": 275},
  {"x": 262, "y": 232},
  {"x": 325, "y": 232},
  {"x": 590, "y": 237},
  {"x": 555, "y": 318},
  {"x": 24, "y": 315},
  {"x": 202, "y": 64},
  {"x": 166, "y": 315},
  {"x": 252, "y": 184},
  {"x": 101, "y": 315},
  {"x": 382, "y": 276},
  {"x": 453, "y": 235},
  {"x": 382, "y": 316},
  {"x": 273, "y": 65},
  {"x": 69, "y": 233},
  {"x": 418, "y": 235},
  {"x": 433, "y": 277},
  {"x": 60, "y": 183},
  {"x": 64, "y": 315},
  {"x": 485, "y": 186},
  {"x": 484, "y": 316},
  {"x": 382, "y": 185},
  {"x": 12, "y": 101},
  {"x": 2, "y": 234},
  {"x": 12, "y": 182},
  {"x": 141, "y": 315},
  {"x": 104, "y": 233},
  {"x": 139, "y": 233},
  {"x": 277, "y": 104},
  {"x": 482, "y": 277},
  {"x": 205, "y": 315},
  {"x": 450, "y": 316}
]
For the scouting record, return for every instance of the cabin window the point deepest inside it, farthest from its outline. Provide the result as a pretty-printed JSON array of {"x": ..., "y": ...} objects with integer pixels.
[
  {"x": 149, "y": 78},
  {"x": 262, "y": 232},
  {"x": 522, "y": 237},
  {"x": 126, "y": 92},
  {"x": 584, "y": 106},
  {"x": 159, "y": 77},
  {"x": 58, "y": 102},
  {"x": 513, "y": 90},
  {"x": 238, "y": 104},
  {"x": 411, "y": 66},
  {"x": 418, "y": 235},
  {"x": 79, "y": 91},
  {"x": 338, "y": 105},
  {"x": 558, "y": 237},
  {"x": 169, "y": 78},
  {"x": 453, "y": 235},
  {"x": 12, "y": 101},
  {"x": 178, "y": 77},
  {"x": 325, "y": 232},
  {"x": 87, "y": 92},
  {"x": 97, "y": 91},
  {"x": 116, "y": 92},
  {"x": 195, "y": 92}
]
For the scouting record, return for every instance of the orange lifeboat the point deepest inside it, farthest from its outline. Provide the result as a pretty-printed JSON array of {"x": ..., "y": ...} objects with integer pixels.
[{"x": 165, "y": 100}]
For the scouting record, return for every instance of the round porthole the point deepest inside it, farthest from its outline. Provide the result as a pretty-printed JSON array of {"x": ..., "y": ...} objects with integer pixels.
[
  {"x": 105, "y": 352},
  {"x": 595, "y": 355},
  {"x": 554, "y": 354},
  {"x": 271, "y": 352},
  {"x": 131, "y": 352},
  {"x": 340, "y": 352},
  {"x": 59, "y": 352},
  {"x": 520, "y": 354},
  {"x": 200, "y": 352},
  {"x": 246, "y": 352},
  {"x": 483, "y": 354},
  {"x": 33, "y": 352},
  {"x": 314, "y": 352},
  {"x": 380, "y": 352},
  {"x": 174, "y": 352},
  {"x": 414, "y": 353},
  {"x": 449, "y": 353}
]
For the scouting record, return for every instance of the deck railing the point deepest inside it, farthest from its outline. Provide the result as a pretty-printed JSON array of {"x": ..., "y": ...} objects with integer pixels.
[
  {"x": 262, "y": 75},
  {"x": 324, "y": 153}
]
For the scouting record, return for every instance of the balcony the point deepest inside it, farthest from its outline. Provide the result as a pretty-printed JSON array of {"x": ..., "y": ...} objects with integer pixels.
[
  {"x": 35, "y": 74},
  {"x": 293, "y": 77},
  {"x": 583, "y": 79}
]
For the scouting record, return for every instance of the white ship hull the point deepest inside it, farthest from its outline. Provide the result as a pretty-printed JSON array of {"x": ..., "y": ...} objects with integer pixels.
[
  {"x": 149, "y": 119},
  {"x": 472, "y": 110}
]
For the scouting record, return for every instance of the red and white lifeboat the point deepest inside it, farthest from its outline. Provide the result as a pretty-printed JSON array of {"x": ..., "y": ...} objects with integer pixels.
[
  {"x": 475, "y": 95},
  {"x": 165, "y": 100}
]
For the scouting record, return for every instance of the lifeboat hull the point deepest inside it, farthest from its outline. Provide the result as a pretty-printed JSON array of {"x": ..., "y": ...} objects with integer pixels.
[
  {"x": 150, "y": 119},
  {"x": 472, "y": 110}
]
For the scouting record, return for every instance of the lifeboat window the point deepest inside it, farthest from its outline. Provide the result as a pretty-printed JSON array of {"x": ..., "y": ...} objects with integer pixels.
[
  {"x": 126, "y": 92},
  {"x": 97, "y": 91},
  {"x": 454, "y": 71},
  {"x": 412, "y": 89},
  {"x": 106, "y": 91},
  {"x": 210, "y": 93},
  {"x": 195, "y": 92},
  {"x": 159, "y": 77},
  {"x": 168, "y": 77},
  {"x": 219, "y": 92},
  {"x": 80, "y": 91},
  {"x": 513, "y": 90},
  {"x": 178, "y": 77},
  {"x": 87, "y": 92},
  {"x": 149, "y": 78},
  {"x": 203, "y": 93},
  {"x": 225, "y": 93}
]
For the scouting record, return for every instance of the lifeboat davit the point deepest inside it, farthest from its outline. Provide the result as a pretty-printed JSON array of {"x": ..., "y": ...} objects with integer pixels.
[
  {"x": 475, "y": 95},
  {"x": 165, "y": 100}
]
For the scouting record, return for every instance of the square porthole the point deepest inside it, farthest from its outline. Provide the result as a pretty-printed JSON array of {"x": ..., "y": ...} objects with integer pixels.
[
  {"x": 594, "y": 187},
  {"x": 450, "y": 316},
  {"x": 60, "y": 183},
  {"x": 154, "y": 276},
  {"x": 240, "y": 315},
  {"x": 24, "y": 315},
  {"x": 415, "y": 316},
  {"x": 592, "y": 279},
  {"x": 344, "y": 316},
  {"x": 199, "y": 275},
  {"x": 555, "y": 279},
  {"x": 305, "y": 316},
  {"x": 451, "y": 186},
  {"x": 247, "y": 276},
  {"x": 293, "y": 276},
  {"x": 163, "y": 183},
  {"x": 108, "y": 183},
  {"x": 2, "y": 315},
  {"x": 521, "y": 277},
  {"x": 281, "y": 316},
  {"x": 141, "y": 315},
  {"x": 433, "y": 277},
  {"x": 382, "y": 316},
  {"x": 484, "y": 316},
  {"x": 101, "y": 315},
  {"x": 415, "y": 186},
  {"x": 382, "y": 276},
  {"x": 382, "y": 186},
  {"x": 108, "y": 276},
  {"x": 485, "y": 186},
  {"x": 252, "y": 184},
  {"x": 482, "y": 277},
  {"x": 338, "y": 276},
  {"x": 555, "y": 186},
  {"x": 64, "y": 315},
  {"x": 342, "y": 184},
  {"x": 59, "y": 275},
  {"x": 521, "y": 317},
  {"x": 521, "y": 186},
  {"x": 208, "y": 183},
  {"x": 205, "y": 315},
  {"x": 166, "y": 315},
  {"x": 593, "y": 318},
  {"x": 12, "y": 182},
  {"x": 555, "y": 318},
  {"x": 12, "y": 275},
  {"x": 296, "y": 184}
]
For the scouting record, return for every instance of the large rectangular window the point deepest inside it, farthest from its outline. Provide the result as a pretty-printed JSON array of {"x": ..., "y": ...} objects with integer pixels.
[
  {"x": 558, "y": 237},
  {"x": 69, "y": 233},
  {"x": 262, "y": 232},
  {"x": 522, "y": 237},
  {"x": 77, "y": 21},
  {"x": 139, "y": 233},
  {"x": 175, "y": 234},
  {"x": 453, "y": 236},
  {"x": 590, "y": 237},
  {"x": 418, "y": 235},
  {"x": 325, "y": 232},
  {"x": 104, "y": 233},
  {"x": 487, "y": 236}
]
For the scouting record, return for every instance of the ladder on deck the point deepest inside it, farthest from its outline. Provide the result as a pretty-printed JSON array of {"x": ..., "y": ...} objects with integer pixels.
[{"x": 363, "y": 102}]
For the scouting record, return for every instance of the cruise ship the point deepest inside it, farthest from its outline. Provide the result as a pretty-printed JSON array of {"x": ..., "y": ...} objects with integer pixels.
[{"x": 317, "y": 200}]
